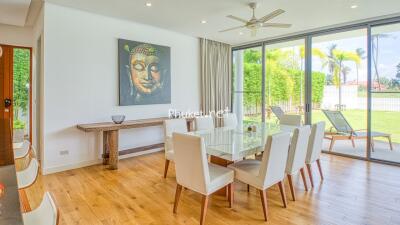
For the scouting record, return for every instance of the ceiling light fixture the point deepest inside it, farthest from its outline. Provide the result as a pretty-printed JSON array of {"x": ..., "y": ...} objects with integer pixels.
[
  {"x": 148, "y": 4},
  {"x": 203, "y": 21},
  {"x": 354, "y": 6}
]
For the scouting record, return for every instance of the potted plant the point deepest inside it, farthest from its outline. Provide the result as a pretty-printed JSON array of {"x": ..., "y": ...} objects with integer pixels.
[{"x": 18, "y": 131}]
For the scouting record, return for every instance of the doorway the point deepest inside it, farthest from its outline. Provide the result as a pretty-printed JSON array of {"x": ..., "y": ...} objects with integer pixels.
[{"x": 15, "y": 97}]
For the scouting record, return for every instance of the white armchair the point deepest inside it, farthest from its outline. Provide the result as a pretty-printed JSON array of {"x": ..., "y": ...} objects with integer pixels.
[
  {"x": 267, "y": 172},
  {"x": 204, "y": 123},
  {"x": 45, "y": 214},
  {"x": 28, "y": 176},
  {"x": 23, "y": 150},
  {"x": 230, "y": 120},
  {"x": 315, "y": 148},
  {"x": 195, "y": 173},
  {"x": 297, "y": 156},
  {"x": 170, "y": 126},
  {"x": 291, "y": 120}
]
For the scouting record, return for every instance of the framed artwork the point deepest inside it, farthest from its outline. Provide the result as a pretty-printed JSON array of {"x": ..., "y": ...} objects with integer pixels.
[{"x": 144, "y": 73}]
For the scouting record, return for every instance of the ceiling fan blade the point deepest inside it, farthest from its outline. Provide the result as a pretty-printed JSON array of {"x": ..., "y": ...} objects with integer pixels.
[
  {"x": 271, "y": 15},
  {"x": 277, "y": 25},
  {"x": 233, "y": 28},
  {"x": 237, "y": 18}
]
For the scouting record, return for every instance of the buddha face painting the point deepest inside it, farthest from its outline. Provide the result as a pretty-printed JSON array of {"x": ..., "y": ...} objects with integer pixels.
[
  {"x": 144, "y": 68},
  {"x": 144, "y": 73}
]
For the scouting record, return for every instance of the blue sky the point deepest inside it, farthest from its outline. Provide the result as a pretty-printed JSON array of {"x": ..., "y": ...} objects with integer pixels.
[{"x": 389, "y": 55}]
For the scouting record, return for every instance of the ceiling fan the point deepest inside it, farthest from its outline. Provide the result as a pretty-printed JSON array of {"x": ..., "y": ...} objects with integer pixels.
[{"x": 253, "y": 24}]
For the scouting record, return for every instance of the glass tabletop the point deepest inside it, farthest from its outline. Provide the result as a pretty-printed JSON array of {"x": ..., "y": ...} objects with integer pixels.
[{"x": 234, "y": 143}]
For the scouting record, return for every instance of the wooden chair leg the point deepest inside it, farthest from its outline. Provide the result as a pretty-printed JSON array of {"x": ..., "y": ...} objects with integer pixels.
[
  {"x": 291, "y": 187},
  {"x": 166, "y": 168},
  {"x": 263, "y": 194},
  {"x": 230, "y": 194},
  {"x": 204, "y": 205},
  {"x": 310, "y": 175},
  {"x": 332, "y": 143},
  {"x": 390, "y": 142},
  {"x": 283, "y": 194},
  {"x": 320, "y": 169},
  {"x": 177, "y": 196},
  {"x": 248, "y": 188},
  {"x": 303, "y": 176}
]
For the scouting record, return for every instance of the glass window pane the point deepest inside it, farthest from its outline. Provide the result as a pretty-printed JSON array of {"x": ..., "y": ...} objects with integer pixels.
[
  {"x": 21, "y": 77},
  {"x": 339, "y": 83},
  {"x": 247, "y": 80},
  {"x": 284, "y": 83},
  {"x": 385, "y": 92}
]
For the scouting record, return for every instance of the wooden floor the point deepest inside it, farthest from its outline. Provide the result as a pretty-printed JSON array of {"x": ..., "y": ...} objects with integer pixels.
[{"x": 353, "y": 192}]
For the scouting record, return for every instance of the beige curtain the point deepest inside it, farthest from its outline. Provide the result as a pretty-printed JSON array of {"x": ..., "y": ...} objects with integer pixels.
[{"x": 216, "y": 79}]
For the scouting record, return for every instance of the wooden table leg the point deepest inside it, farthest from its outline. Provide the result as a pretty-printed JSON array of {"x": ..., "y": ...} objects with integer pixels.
[
  {"x": 105, "y": 148},
  {"x": 222, "y": 162},
  {"x": 112, "y": 138}
]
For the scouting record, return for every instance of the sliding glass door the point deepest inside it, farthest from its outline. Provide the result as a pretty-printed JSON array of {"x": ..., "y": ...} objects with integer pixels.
[
  {"x": 385, "y": 92},
  {"x": 339, "y": 85},
  {"x": 247, "y": 84},
  {"x": 284, "y": 78},
  {"x": 350, "y": 77}
]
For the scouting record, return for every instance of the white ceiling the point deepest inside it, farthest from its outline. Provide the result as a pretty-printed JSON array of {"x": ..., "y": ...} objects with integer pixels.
[
  {"x": 185, "y": 16},
  {"x": 19, "y": 12},
  {"x": 14, "y": 12}
]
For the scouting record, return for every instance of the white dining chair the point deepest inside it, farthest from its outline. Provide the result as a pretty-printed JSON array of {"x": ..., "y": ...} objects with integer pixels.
[
  {"x": 45, "y": 214},
  {"x": 297, "y": 155},
  {"x": 291, "y": 120},
  {"x": 170, "y": 126},
  {"x": 315, "y": 148},
  {"x": 230, "y": 120},
  {"x": 267, "y": 172},
  {"x": 204, "y": 123},
  {"x": 23, "y": 150},
  {"x": 195, "y": 173},
  {"x": 28, "y": 176}
]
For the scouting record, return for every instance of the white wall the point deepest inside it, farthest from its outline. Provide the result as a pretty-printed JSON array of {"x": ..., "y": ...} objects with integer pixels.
[
  {"x": 81, "y": 82},
  {"x": 14, "y": 35},
  {"x": 37, "y": 85}
]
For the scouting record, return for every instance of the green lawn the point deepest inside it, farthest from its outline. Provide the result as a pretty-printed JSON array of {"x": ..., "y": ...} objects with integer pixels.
[{"x": 382, "y": 121}]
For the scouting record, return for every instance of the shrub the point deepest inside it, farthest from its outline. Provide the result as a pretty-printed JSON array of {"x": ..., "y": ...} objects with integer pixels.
[{"x": 18, "y": 124}]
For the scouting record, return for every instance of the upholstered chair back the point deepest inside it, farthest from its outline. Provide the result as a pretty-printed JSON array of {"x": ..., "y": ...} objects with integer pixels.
[
  {"x": 272, "y": 169},
  {"x": 191, "y": 163},
  {"x": 170, "y": 126},
  {"x": 204, "y": 123},
  {"x": 315, "y": 142},
  {"x": 291, "y": 120},
  {"x": 230, "y": 120},
  {"x": 298, "y": 149}
]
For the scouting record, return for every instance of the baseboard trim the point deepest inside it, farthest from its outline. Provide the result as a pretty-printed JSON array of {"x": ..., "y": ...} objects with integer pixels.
[{"x": 56, "y": 169}]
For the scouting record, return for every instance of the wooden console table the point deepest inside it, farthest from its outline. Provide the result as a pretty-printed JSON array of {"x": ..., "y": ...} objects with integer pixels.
[{"x": 111, "y": 132}]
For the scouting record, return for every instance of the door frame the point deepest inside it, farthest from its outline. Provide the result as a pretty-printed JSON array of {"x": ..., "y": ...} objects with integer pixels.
[{"x": 30, "y": 86}]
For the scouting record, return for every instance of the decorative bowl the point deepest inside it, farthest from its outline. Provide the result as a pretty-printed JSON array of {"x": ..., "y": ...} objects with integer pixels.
[{"x": 118, "y": 119}]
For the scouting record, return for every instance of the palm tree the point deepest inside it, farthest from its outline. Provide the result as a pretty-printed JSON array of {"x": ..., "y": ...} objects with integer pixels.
[
  {"x": 331, "y": 64},
  {"x": 338, "y": 57},
  {"x": 315, "y": 52},
  {"x": 361, "y": 53},
  {"x": 375, "y": 54}
]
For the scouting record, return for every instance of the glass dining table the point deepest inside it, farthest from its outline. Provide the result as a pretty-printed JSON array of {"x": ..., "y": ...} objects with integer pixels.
[{"x": 235, "y": 143}]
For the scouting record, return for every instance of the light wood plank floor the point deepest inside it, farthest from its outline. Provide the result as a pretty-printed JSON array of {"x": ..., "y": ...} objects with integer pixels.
[{"x": 353, "y": 192}]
